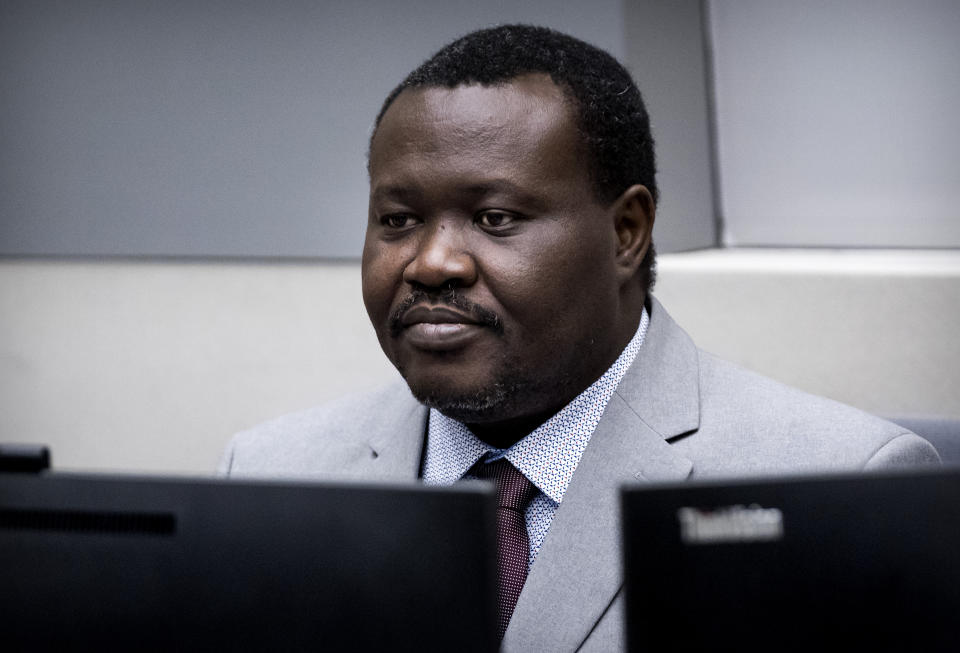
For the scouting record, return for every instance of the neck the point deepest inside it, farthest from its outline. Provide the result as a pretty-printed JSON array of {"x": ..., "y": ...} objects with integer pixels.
[{"x": 503, "y": 435}]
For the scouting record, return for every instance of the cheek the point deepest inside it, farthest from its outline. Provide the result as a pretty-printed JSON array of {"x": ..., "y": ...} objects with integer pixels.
[
  {"x": 550, "y": 300},
  {"x": 380, "y": 274}
]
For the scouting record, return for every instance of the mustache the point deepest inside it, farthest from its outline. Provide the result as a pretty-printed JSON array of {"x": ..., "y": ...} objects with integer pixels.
[{"x": 447, "y": 297}]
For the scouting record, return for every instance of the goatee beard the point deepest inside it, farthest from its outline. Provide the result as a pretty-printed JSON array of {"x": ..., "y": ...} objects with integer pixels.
[{"x": 486, "y": 405}]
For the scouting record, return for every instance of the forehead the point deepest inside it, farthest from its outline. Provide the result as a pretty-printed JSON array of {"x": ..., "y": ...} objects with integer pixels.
[{"x": 522, "y": 128}]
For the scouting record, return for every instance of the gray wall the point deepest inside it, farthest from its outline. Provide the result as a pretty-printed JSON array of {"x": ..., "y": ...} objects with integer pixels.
[
  {"x": 837, "y": 122},
  {"x": 667, "y": 53},
  {"x": 229, "y": 128},
  {"x": 219, "y": 128},
  {"x": 239, "y": 128}
]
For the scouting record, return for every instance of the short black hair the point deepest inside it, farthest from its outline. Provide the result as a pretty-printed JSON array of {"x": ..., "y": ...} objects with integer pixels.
[{"x": 611, "y": 116}]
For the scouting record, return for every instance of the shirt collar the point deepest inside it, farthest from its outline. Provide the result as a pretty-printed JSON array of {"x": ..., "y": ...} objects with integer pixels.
[{"x": 547, "y": 456}]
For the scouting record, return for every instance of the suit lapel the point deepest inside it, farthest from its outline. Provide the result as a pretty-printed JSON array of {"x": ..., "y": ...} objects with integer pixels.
[
  {"x": 578, "y": 573},
  {"x": 663, "y": 385},
  {"x": 396, "y": 442}
]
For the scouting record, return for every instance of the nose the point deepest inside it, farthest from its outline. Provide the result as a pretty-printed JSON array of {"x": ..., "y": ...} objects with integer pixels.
[{"x": 441, "y": 260}]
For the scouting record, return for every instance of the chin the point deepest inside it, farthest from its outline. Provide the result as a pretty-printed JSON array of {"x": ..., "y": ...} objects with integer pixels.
[{"x": 488, "y": 404}]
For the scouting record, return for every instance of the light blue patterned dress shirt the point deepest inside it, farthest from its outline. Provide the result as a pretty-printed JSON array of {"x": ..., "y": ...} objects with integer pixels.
[{"x": 547, "y": 457}]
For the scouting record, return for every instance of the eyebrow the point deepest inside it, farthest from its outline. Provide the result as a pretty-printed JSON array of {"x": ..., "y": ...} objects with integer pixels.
[
  {"x": 402, "y": 193},
  {"x": 394, "y": 192}
]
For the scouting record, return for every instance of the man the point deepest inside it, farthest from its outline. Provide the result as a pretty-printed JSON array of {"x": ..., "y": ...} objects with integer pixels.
[{"x": 507, "y": 269}]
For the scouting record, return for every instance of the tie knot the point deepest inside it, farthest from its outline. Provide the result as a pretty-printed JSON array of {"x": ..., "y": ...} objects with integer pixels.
[{"x": 514, "y": 490}]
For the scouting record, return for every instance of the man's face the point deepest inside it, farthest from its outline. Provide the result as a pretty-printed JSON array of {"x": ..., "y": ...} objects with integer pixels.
[{"x": 488, "y": 267}]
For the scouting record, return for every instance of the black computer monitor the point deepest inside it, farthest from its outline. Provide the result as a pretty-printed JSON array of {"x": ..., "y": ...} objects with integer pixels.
[
  {"x": 92, "y": 562},
  {"x": 866, "y": 562}
]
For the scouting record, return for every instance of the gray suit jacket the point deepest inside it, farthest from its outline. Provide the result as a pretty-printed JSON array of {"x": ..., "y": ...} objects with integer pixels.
[{"x": 678, "y": 413}]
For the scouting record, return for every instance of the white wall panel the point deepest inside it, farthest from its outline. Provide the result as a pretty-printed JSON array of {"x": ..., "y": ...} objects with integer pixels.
[{"x": 152, "y": 366}]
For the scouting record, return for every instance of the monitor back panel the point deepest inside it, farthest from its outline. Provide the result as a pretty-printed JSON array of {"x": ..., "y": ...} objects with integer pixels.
[
  {"x": 804, "y": 564},
  {"x": 94, "y": 563}
]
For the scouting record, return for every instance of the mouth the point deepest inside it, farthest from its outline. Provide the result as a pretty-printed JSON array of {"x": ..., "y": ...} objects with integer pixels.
[
  {"x": 441, "y": 322},
  {"x": 438, "y": 328},
  {"x": 438, "y": 315}
]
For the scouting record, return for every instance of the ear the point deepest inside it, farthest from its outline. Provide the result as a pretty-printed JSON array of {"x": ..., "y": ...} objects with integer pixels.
[{"x": 633, "y": 214}]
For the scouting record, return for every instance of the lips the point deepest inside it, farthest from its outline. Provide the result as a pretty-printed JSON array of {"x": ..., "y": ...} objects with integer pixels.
[
  {"x": 438, "y": 328},
  {"x": 434, "y": 315}
]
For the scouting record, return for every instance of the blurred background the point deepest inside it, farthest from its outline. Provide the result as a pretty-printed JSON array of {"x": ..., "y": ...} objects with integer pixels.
[{"x": 183, "y": 199}]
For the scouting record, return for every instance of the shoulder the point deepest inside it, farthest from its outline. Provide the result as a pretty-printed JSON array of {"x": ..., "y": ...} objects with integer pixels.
[
  {"x": 325, "y": 439},
  {"x": 751, "y": 423}
]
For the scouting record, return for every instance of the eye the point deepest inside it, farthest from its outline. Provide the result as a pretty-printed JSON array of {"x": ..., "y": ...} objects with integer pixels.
[
  {"x": 495, "y": 219},
  {"x": 396, "y": 220}
]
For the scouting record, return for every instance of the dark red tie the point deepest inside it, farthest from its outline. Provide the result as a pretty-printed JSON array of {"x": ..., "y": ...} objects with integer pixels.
[{"x": 514, "y": 493}]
